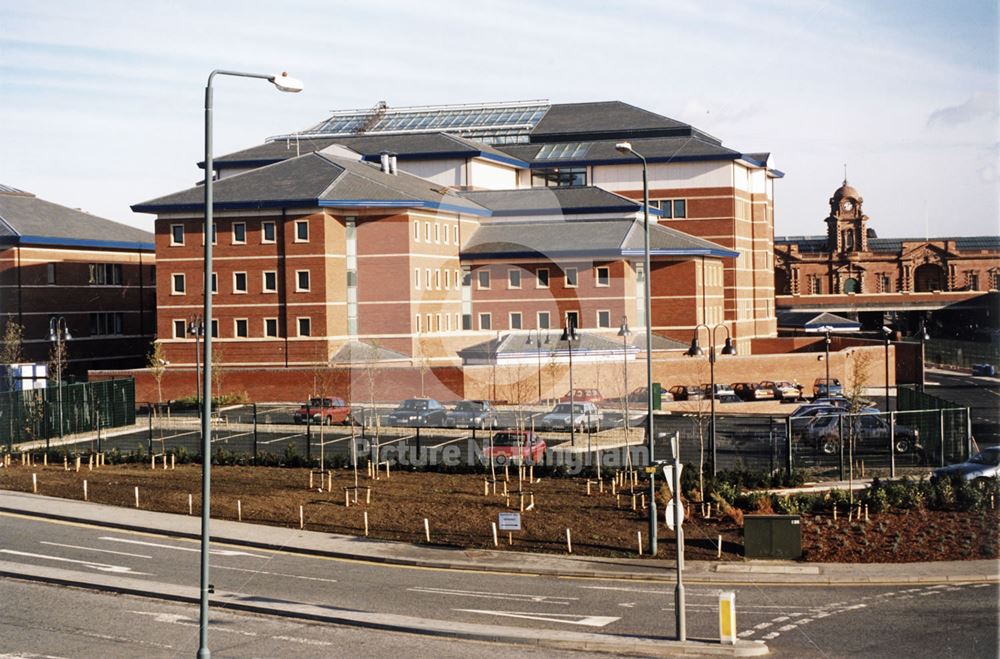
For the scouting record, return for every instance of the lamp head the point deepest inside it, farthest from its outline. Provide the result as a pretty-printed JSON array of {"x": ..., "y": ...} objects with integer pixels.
[
  {"x": 695, "y": 349},
  {"x": 286, "y": 84},
  {"x": 624, "y": 148},
  {"x": 728, "y": 348},
  {"x": 569, "y": 333},
  {"x": 624, "y": 330},
  {"x": 66, "y": 335}
]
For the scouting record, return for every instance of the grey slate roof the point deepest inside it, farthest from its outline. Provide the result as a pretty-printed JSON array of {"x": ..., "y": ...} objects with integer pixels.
[
  {"x": 26, "y": 219},
  {"x": 417, "y": 146},
  {"x": 655, "y": 149},
  {"x": 600, "y": 117},
  {"x": 315, "y": 179},
  {"x": 812, "y": 321},
  {"x": 547, "y": 201},
  {"x": 524, "y": 344},
  {"x": 362, "y": 352},
  {"x": 592, "y": 238}
]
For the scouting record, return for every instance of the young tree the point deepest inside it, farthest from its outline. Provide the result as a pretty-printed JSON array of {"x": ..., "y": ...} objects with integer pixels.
[
  {"x": 217, "y": 374},
  {"x": 12, "y": 348},
  {"x": 858, "y": 378},
  {"x": 58, "y": 356},
  {"x": 157, "y": 363}
]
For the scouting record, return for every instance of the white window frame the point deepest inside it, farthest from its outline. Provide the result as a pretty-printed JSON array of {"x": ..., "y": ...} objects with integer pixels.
[
  {"x": 264, "y": 322},
  {"x": 416, "y": 278},
  {"x": 427, "y": 232},
  {"x": 233, "y": 233},
  {"x": 298, "y": 326},
  {"x": 263, "y": 232},
  {"x": 263, "y": 281},
  {"x": 308, "y": 287},
  {"x": 575, "y": 312},
  {"x": 173, "y": 283},
  {"x": 236, "y": 325},
  {"x": 538, "y": 281},
  {"x": 183, "y": 325},
  {"x": 437, "y": 233},
  {"x": 576, "y": 276},
  {"x": 246, "y": 283},
  {"x": 456, "y": 234},
  {"x": 510, "y": 284},
  {"x": 437, "y": 322},
  {"x": 215, "y": 283},
  {"x": 479, "y": 279},
  {"x": 418, "y": 325},
  {"x": 173, "y": 243},
  {"x": 447, "y": 279},
  {"x": 446, "y": 235},
  {"x": 416, "y": 231},
  {"x": 597, "y": 276},
  {"x": 437, "y": 279},
  {"x": 548, "y": 320},
  {"x": 598, "y": 318},
  {"x": 299, "y": 223},
  {"x": 520, "y": 320},
  {"x": 428, "y": 283},
  {"x": 489, "y": 321}
]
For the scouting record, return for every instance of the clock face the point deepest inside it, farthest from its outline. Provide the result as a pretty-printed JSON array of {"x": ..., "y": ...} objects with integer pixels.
[{"x": 848, "y": 205}]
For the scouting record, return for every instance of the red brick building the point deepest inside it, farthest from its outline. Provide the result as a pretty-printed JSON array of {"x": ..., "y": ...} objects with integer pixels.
[{"x": 97, "y": 274}]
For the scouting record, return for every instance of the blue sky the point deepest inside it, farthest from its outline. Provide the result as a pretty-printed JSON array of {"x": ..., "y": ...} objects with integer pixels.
[{"x": 101, "y": 102}]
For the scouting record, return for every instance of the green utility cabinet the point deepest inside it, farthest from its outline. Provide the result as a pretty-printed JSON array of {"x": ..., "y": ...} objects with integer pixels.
[
  {"x": 772, "y": 536},
  {"x": 657, "y": 395}
]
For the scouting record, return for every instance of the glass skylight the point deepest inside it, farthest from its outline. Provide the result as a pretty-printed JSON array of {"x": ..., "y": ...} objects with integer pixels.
[{"x": 563, "y": 151}]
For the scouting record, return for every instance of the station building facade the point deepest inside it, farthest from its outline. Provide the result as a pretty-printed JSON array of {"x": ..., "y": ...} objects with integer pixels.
[{"x": 428, "y": 230}]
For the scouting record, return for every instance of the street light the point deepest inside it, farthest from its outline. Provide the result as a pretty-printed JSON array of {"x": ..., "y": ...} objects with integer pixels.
[
  {"x": 887, "y": 335},
  {"x": 826, "y": 329},
  {"x": 58, "y": 333},
  {"x": 196, "y": 328},
  {"x": 924, "y": 338},
  {"x": 626, "y": 148},
  {"x": 285, "y": 84},
  {"x": 625, "y": 332},
  {"x": 694, "y": 351},
  {"x": 538, "y": 350},
  {"x": 569, "y": 335}
]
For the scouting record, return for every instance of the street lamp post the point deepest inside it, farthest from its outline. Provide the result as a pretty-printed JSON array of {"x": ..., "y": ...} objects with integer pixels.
[
  {"x": 625, "y": 332},
  {"x": 626, "y": 148},
  {"x": 59, "y": 333},
  {"x": 569, "y": 335},
  {"x": 924, "y": 338},
  {"x": 285, "y": 84},
  {"x": 196, "y": 328},
  {"x": 826, "y": 329},
  {"x": 887, "y": 335},
  {"x": 694, "y": 351}
]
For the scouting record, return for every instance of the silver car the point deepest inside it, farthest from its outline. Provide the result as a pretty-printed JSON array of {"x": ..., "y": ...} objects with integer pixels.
[
  {"x": 985, "y": 464},
  {"x": 584, "y": 416}
]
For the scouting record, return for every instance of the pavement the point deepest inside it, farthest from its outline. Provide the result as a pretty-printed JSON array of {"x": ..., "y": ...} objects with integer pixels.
[{"x": 758, "y": 573}]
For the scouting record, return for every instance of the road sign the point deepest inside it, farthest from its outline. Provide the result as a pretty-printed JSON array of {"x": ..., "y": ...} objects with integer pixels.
[
  {"x": 668, "y": 514},
  {"x": 668, "y": 474},
  {"x": 509, "y": 522}
]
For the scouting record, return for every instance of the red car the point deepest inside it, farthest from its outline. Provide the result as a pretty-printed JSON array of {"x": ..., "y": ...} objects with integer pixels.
[
  {"x": 583, "y": 396},
  {"x": 323, "y": 410},
  {"x": 515, "y": 446}
]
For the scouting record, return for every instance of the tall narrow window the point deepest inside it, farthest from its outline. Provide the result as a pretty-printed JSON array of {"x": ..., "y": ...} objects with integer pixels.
[
  {"x": 239, "y": 282},
  {"x": 571, "y": 278},
  {"x": 271, "y": 327},
  {"x": 241, "y": 328},
  {"x": 270, "y": 281},
  {"x": 302, "y": 231},
  {"x": 603, "y": 276},
  {"x": 267, "y": 232},
  {"x": 239, "y": 233},
  {"x": 176, "y": 235},
  {"x": 177, "y": 284}
]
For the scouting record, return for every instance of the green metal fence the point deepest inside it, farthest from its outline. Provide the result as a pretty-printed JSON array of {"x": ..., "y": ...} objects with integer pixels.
[{"x": 44, "y": 414}]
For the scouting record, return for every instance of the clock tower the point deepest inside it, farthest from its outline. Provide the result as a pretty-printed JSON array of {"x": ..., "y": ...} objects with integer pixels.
[{"x": 847, "y": 229}]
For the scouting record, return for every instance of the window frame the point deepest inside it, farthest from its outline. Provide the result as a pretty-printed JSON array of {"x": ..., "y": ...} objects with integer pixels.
[
  {"x": 298, "y": 225},
  {"x": 246, "y": 283},
  {"x": 263, "y": 281},
  {"x": 298, "y": 281},
  {"x": 489, "y": 321},
  {"x": 597, "y": 276},
  {"x": 513, "y": 273},
  {"x": 174, "y": 290},
  {"x": 520, "y": 320},
  {"x": 236, "y": 328},
  {"x": 264, "y": 322},
  {"x": 479, "y": 279},
  {"x": 233, "y": 238},
  {"x": 308, "y": 326},
  {"x": 548, "y": 320},
  {"x": 607, "y": 313},
  {"x": 183, "y": 325},
  {"x": 264, "y": 240},
  {"x": 173, "y": 242},
  {"x": 538, "y": 279},
  {"x": 575, "y": 276}
]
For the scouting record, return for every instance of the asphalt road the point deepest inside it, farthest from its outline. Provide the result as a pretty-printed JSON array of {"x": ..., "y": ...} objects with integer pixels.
[
  {"x": 981, "y": 394},
  {"x": 875, "y": 621}
]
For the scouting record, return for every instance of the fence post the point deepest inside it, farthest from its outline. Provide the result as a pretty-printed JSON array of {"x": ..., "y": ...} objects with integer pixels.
[
  {"x": 892, "y": 445},
  {"x": 941, "y": 427},
  {"x": 770, "y": 430},
  {"x": 149, "y": 417},
  {"x": 255, "y": 434},
  {"x": 418, "y": 443},
  {"x": 840, "y": 441},
  {"x": 309, "y": 435},
  {"x": 968, "y": 432},
  {"x": 788, "y": 443}
]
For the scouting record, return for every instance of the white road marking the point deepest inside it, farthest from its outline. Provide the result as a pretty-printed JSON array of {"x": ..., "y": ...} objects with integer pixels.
[
  {"x": 216, "y": 552},
  {"x": 787, "y": 628},
  {"x": 103, "y": 567},
  {"x": 627, "y": 605},
  {"x": 517, "y": 597},
  {"x": 179, "y": 619},
  {"x": 272, "y": 574},
  {"x": 103, "y": 551},
  {"x": 566, "y": 618},
  {"x": 702, "y": 593},
  {"x": 304, "y": 641},
  {"x": 19, "y": 655}
]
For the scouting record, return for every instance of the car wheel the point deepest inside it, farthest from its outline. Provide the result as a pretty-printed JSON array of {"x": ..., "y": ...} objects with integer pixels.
[
  {"x": 500, "y": 460},
  {"x": 902, "y": 445},
  {"x": 829, "y": 445}
]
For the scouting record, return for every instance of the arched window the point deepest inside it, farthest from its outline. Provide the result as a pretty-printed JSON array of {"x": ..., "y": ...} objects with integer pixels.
[{"x": 852, "y": 285}]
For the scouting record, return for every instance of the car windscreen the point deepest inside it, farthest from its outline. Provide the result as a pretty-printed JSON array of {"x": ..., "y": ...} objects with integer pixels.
[
  {"x": 414, "y": 405},
  {"x": 564, "y": 408},
  {"x": 468, "y": 406},
  {"x": 991, "y": 458},
  {"x": 509, "y": 439}
]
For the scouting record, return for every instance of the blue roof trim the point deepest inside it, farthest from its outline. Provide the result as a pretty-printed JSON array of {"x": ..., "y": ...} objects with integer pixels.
[
  {"x": 776, "y": 173},
  {"x": 223, "y": 205},
  {"x": 506, "y": 160},
  {"x": 529, "y": 253},
  {"x": 547, "y": 164},
  {"x": 378, "y": 203},
  {"x": 86, "y": 242},
  {"x": 576, "y": 210},
  {"x": 232, "y": 164},
  {"x": 720, "y": 252}
]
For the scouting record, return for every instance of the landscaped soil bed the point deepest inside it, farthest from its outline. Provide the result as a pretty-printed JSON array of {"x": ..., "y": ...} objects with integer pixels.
[{"x": 460, "y": 515}]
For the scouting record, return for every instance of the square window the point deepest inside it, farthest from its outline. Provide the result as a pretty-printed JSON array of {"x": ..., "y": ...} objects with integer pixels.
[
  {"x": 301, "y": 281},
  {"x": 571, "y": 278},
  {"x": 467, "y": 321},
  {"x": 603, "y": 276},
  {"x": 180, "y": 329},
  {"x": 239, "y": 282},
  {"x": 680, "y": 208},
  {"x": 485, "y": 321},
  {"x": 302, "y": 231},
  {"x": 305, "y": 326},
  {"x": 667, "y": 208},
  {"x": 515, "y": 320},
  {"x": 240, "y": 328},
  {"x": 271, "y": 327},
  {"x": 267, "y": 232},
  {"x": 176, "y": 234},
  {"x": 513, "y": 279},
  {"x": 215, "y": 329},
  {"x": 484, "y": 279},
  {"x": 604, "y": 319},
  {"x": 239, "y": 233},
  {"x": 542, "y": 278},
  {"x": 543, "y": 320},
  {"x": 270, "y": 281},
  {"x": 177, "y": 284}
]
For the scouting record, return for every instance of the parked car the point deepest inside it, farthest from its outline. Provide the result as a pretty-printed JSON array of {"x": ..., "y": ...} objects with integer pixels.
[
  {"x": 323, "y": 410},
  {"x": 637, "y": 395},
  {"x": 987, "y": 370},
  {"x": 581, "y": 416},
  {"x": 417, "y": 412},
  {"x": 751, "y": 391},
  {"x": 583, "y": 396},
  {"x": 871, "y": 432},
  {"x": 517, "y": 446},
  {"x": 723, "y": 393},
  {"x": 687, "y": 392},
  {"x": 822, "y": 387},
  {"x": 810, "y": 410},
  {"x": 471, "y": 414},
  {"x": 784, "y": 390},
  {"x": 985, "y": 464},
  {"x": 844, "y": 403}
]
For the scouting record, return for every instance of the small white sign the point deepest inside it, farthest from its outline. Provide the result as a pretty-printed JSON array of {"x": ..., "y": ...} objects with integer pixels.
[
  {"x": 668, "y": 514},
  {"x": 509, "y": 522},
  {"x": 668, "y": 474}
]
